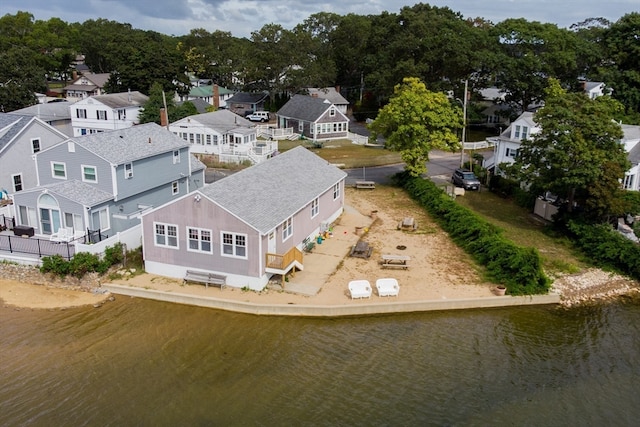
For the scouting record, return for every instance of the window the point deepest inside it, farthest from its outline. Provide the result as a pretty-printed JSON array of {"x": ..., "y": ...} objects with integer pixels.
[
  {"x": 332, "y": 112},
  {"x": 300, "y": 127},
  {"x": 166, "y": 235},
  {"x": 175, "y": 188},
  {"x": 234, "y": 245},
  {"x": 315, "y": 207},
  {"x": 192, "y": 138},
  {"x": 525, "y": 130},
  {"x": 81, "y": 113},
  {"x": 59, "y": 170},
  {"x": 517, "y": 132},
  {"x": 102, "y": 114},
  {"x": 73, "y": 221},
  {"x": 122, "y": 114},
  {"x": 35, "y": 145},
  {"x": 27, "y": 216},
  {"x": 17, "y": 182},
  {"x": 176, "y": 156},
  {"x": 628, "y": 182},
  {"x": 100, "y": 219},
  {"x": 199, "y": 240},
  {"x": 287, "y": 229},
  {"x": 89, "y": 174},
  {"x": 336, "y": 191},
  {"x": 128, "y": 170},
  {"x": 208, "y": 139},
  {"x": 83, "y": 131},
  {"x": 198, "y": 139},
  {"x": 511, "y": 152}
]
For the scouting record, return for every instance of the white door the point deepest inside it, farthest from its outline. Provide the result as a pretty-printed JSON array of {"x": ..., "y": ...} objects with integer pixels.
[{"x": 271, "y": 245}]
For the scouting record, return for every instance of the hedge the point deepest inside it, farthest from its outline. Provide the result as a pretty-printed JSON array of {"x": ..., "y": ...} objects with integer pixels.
[{"x": 517, "y": 268}]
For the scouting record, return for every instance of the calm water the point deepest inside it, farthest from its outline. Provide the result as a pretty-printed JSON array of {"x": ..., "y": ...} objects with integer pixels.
[{"x": 144, "y": 363}]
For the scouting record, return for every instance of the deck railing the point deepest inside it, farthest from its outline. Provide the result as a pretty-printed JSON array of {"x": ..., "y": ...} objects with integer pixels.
[{"x": 283, "y": 261}]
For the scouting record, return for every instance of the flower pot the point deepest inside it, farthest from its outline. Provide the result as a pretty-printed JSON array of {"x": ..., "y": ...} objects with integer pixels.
[
  {"x": 374, "y": 215},
  {"x": 500, "y": 290}
]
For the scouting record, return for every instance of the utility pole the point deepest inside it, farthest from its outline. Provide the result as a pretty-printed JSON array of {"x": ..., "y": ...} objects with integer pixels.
[
  {"x": 361, "y": 84},
  {"x": 464, "y": 123}
]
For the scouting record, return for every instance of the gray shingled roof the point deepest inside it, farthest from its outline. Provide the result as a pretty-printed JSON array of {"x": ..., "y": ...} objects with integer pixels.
[
  {"x": 196, "y": 164},
  {"x": 266, "y": 194},
  {"x": 17, "y": 122},
  {"x": 329, "y": 93},
  {"x": 247, "y": 98},
  {"x": 221, "y": 120},
  {"x": 48, "y": 112},
  {"x": 127, "y": 145},
  {"x": 77, "y": 191},
  {"x": 122, "y": 99},
  {"x": 303, "y": 107}
]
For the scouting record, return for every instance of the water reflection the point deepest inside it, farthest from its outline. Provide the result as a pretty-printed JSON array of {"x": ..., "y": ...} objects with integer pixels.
[{"x": 151, "y": 363}]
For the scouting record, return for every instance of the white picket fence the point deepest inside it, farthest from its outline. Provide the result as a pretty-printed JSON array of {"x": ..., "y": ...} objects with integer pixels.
[{"x": 131, "y": 238}]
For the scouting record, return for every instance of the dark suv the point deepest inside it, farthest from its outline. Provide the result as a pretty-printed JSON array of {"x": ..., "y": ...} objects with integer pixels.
[{"x": 465, "y": 179}]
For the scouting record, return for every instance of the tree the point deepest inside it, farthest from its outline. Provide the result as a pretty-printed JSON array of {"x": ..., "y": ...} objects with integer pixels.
[
  {"x": 578, "y": 154},
  {"x": 151, "y": 110},
  {"x": 416, "y": 121}
]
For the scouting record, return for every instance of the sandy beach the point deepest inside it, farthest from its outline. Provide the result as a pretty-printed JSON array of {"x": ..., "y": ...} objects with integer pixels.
[{"x": 438, "y": 269}]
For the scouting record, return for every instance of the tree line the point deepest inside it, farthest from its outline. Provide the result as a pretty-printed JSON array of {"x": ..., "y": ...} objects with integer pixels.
[{"x": 365, "y": 55}]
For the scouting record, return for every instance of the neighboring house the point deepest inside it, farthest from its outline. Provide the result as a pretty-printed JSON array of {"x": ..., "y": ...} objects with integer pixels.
[
  {"x": 243, "y": 103},
  {"x": 211, "y": 94},
  {"x": 495, "y": 111},
  {"x": 106, "y": 112},
  {"x": 105, "y": 181},
  {"x": 225, "y": 134},
  {"x": 56, "y": 114},
  {"x": 595, "y": 89},
  {"x": 249, "y": 226},
  {"x": 631, "y": 142},
  {"x": 314, "y": 118},
  {"x": 86, "y": 85},
  {"x": 333, "y": 95},
  {"x": 22, "y": 136},
  {"x": 506, "y": 147}
]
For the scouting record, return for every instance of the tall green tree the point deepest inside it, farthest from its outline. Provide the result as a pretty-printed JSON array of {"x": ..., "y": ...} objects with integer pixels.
[
  {"x": 416, "y": 121},
  {"x": 578, "y": 154},
  {"x": 150, "y": 112}
]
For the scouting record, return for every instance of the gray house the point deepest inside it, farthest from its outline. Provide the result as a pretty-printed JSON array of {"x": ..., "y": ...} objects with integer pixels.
[
  {"x": 106, "y": 180},
  {"x": 249, "y": 226},
  {"x": 21, "y": 136},
  {"x": 313, "y": 117}
]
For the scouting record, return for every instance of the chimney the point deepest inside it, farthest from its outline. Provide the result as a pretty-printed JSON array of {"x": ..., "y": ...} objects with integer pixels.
[
  {"x": 74, "y": 75},
  {"x": 314, "y": 95},
  {"x": 216, "y": 96},
  {"x": 338, "y": 88},
  {"x": 164, "y": 121}
]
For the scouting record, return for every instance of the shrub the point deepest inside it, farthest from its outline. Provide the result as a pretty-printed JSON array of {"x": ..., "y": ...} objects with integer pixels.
[
  {"x": 55, "y": 264},
  {"x": 114, "y": 254},
  {"x": 518, "y": 268}
]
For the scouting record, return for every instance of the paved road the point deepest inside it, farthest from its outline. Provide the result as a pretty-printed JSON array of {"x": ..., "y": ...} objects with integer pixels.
[{"x": 441, "y": 165}]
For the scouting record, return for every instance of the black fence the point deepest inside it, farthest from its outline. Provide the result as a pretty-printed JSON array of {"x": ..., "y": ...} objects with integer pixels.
[{"x": 36, "y": 246}]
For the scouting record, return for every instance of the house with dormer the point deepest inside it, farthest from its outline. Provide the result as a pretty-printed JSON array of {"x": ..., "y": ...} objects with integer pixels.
[
  {"x": 314, "y": 118},
  {"x": 105, "y": 181},
  {"x": 225, "y": 134},
  {"x": 86, "y": 85},
  {"x": 244, "y": 227},
  {"x": 106, "y": 112},
  {"x": 333, "y": 95},
  {"x": 21, "y": 137}
]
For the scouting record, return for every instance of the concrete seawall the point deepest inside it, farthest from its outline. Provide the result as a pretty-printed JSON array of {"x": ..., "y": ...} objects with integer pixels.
[{"x": 357, "y": 308}]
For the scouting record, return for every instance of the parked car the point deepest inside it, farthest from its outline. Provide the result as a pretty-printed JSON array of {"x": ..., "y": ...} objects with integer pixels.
[
  {"x": 259, "y": 116},
  {"x": 465, "y": 179}
]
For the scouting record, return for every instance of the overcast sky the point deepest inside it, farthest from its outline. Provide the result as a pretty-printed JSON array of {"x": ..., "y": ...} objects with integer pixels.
[{"x": 241, "y": 17}]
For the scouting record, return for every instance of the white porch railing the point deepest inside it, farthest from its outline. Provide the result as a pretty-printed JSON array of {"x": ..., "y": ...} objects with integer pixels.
[
  {"x": 266, "y": 131},
  {"x": 258, "y": 153}
]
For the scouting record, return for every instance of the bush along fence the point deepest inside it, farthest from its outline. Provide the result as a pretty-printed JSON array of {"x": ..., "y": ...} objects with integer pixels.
[
  {"x": 607, "y": 248},
  {"x": 83, "y": 262},
  {"x": 519, "y": 269}
]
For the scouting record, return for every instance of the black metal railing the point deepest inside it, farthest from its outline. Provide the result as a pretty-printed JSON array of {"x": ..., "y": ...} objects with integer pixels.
[{"x": 36, "y": 246}]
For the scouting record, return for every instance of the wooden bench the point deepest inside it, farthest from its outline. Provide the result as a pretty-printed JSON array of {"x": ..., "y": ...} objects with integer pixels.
[
  {"x": 395, "y": 261},
  {"x": 206, "y": 278},
  {"x": 365, "y": 184},
  {"x": 308, "y": 244}
]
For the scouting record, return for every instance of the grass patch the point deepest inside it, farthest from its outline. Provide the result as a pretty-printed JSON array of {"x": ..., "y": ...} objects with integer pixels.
[
  {"x": 521, "y": 227},
  {"x": 346, "y": 153}
]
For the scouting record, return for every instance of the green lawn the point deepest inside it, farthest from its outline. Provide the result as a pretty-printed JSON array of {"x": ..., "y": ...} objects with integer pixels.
[
  {"x": 523, "y": 228},
  {"x": 346, "y": 153}
]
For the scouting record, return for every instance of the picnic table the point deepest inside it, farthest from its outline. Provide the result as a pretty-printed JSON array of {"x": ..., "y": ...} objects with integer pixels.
[
  {"x": 395, "y": 261},
  {"x": 408, "y": 223},
  {"x": 361, "y": 250}
]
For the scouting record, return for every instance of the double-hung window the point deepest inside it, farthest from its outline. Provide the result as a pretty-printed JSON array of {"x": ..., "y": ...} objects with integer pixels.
[
  {"x": 199, "y": 240},
  {"x": 17, "y": 182},
  {"x": 81, "y": 113},
  {"x": 315, "y": 207},
  {"x": 175, "y": 188},
  {"x": 234, "y": 245},
  {"x": 336, "y": 191},
  {"x": 35, "y": 145},
  {"x": 166, "y": 235},
  {"x": 176, "y": 156},
  {"x": 287, "y": 228},
  {"x": 128, "y": 170},
  {"x": 58, "y": 170},
  {"x": 102, "y": 114},
  {"x": 89, "y": 174}
]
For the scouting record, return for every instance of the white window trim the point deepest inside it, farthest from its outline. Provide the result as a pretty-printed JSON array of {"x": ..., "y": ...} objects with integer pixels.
[
  {"x": 287, "y": 229},
  {"x": 199, "y": 230},
  {"x": 102, "y": 212},
  {"x": 128, "y": 174},
  {"x": 95, "y": 169},
  {"x": 13, "y": 182},
  {"x": 98, "y": 114},
  {"x": 175, "y": 188},
  {"x": 176, "y": 156},
  {"x": 315, "y": 207},
  {"x": 166, "y": 234},
  {"x": 336, "y": 191},
  {"x": 53, "y": 174},
  {"x": 233, "y": 235},
  {"x": 33, "y": 151}
]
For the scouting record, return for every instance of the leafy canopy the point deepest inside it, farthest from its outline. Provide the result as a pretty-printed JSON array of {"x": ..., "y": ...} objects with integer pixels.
[
  {"x": 416, "y": 121},
  {"x": 578, "y": 154}
]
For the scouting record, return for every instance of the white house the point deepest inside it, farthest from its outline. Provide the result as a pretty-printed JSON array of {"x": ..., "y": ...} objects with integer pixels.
[
  {"x": 225, "y": 134},
  {"x": 106, "y": 112},
  {"x": 333, "y": 95},
  {"x": 88, "y": 84},
  {"x": 506, "y": 147}
]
